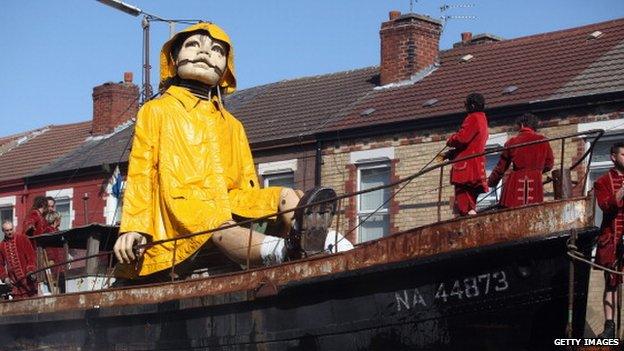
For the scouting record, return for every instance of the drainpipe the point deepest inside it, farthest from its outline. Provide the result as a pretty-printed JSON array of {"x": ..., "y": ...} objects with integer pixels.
[
  {"x": 317, "y": 166},
  {"x": 85, "y": 197}
]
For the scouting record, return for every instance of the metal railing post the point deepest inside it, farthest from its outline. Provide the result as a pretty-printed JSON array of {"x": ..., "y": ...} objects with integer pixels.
[{"x": 440, "y": 193}]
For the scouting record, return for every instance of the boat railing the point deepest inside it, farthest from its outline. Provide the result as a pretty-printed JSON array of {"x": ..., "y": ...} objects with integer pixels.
[{"x": 100, "y": 252}]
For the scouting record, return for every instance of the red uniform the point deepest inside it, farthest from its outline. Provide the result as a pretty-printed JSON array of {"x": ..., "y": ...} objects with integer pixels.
[
  {"x": 610, "y": 237},
  {"x": 34, "y": 224},
  {"x": 18, "y": 256},
  {"x": 55, "y": 254},
  {"x": 469, "y": 176},
  {"x": 523, "y": 185}
]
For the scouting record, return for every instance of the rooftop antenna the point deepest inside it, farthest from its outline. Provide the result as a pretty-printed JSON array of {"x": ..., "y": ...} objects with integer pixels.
[
  {"x": 412, "y": 6},
  {"x": 446, "y": 18}
]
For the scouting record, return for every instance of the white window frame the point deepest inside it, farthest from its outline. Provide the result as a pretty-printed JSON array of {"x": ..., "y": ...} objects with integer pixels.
[
  {"x": 494, "y": 141},
  {"x": 268, "y": 170},
  {"x": 359, "y": 212},
  {"x": 614, "y": 126},
  {"x": 370, "y": 159},
  {"x": 267, "y": 177},
  {"x": 65, "y": 194},
  {"x": 9, "y": 201}
]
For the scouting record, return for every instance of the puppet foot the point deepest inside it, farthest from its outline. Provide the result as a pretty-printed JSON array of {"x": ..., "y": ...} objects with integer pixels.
[{"x": 311, "y": 223}]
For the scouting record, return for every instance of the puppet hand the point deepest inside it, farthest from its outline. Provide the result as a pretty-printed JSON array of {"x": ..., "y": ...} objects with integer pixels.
[
  {"x": 32, "y": 277},
  {"x": 8, "y": 282},
  {"x": 124, "y": 246}
]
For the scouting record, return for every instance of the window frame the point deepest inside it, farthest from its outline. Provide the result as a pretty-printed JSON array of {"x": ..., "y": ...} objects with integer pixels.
[
  {"x": 385, "y": 212},
  {"x": 267, "y": 177},
  {"x": 61, "y": 195}
]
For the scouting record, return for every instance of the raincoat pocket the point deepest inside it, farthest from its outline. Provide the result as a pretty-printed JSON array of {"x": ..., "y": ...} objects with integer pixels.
[{"x": 192, "y": 208}]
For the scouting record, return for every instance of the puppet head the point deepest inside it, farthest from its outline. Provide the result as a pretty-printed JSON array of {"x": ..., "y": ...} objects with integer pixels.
[{"x": 203, "y": 53}]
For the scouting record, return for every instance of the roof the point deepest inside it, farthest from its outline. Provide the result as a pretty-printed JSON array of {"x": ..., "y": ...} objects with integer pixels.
[
  {"x": 10, "y": 141},
  {"x": 300, "y": 107},
  {"x": 543, "y": 67},
  {"x": 94, "y": 152},
  {"x": 42, "y": 147}
]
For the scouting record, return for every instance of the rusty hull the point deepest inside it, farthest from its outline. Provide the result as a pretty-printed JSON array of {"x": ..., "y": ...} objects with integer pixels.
[{"x": 486, "y": 229}]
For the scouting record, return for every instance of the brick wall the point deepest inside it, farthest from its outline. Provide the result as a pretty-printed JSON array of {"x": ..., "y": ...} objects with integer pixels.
[
  {"x": 416, "y": 204},
  {"x": 114, "y": 104},
  {"x": 409, "y": 43}
]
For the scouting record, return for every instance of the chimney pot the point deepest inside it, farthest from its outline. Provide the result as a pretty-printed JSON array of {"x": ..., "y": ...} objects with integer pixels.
[
  {"x": 466, "y": 37},
  {"x": 394, "y": 15},
  {"x": 128, "y": 77}
]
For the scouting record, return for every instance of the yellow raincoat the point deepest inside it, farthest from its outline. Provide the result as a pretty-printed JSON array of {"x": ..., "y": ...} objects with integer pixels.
[{"x": 190, "y": 168}]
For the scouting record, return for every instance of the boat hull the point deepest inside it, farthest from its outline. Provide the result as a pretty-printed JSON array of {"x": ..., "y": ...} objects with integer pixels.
[{"x": 511, "y": 295}]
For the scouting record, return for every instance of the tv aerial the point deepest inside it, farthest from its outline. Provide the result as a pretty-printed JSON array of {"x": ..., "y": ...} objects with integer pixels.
[{"x": 445, "y": 18}]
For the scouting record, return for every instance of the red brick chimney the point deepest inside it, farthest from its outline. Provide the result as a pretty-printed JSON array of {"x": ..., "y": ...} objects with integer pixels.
[
  {"x": 409, "y": 43},
  {"x": 114, "y": 104},
  {"x": 466, "y": 37}
]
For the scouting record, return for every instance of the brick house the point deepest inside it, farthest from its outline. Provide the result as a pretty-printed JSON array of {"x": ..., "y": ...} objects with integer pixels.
[
  {"x": 356, "y": 129},
  {"x": 28, "y": 155},
  {"x": 368, "y": 126}
]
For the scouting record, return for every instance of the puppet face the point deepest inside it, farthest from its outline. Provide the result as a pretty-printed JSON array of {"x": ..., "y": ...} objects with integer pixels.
[{"x": 202, "y": 58}]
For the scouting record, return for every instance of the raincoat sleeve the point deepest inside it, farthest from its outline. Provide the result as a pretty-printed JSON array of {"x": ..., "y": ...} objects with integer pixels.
[
  {"x": 249, "y": 178},
  {"x": 139, "y": 202},
  {"x": 466, "y": 133}
]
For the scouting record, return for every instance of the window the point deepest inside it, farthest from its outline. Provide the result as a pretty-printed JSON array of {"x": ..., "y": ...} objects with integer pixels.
[
  {"x": 278, "y": 173},
  {"x": 7, "y": 206},
  {"x": 490, "y": 198},
  {"x": 63, "y": 207},
  {"x": 372, "y": 208},
  {"x": 283, "y": 179},
  {"x": 600, "y": 164},
  {"x": 6, "y": 213}
]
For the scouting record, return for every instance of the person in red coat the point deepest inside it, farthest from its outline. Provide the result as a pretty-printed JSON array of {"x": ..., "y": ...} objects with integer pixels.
[
  {"x": 55, "y": 255},
  {"x": 35, "y": 223},
  {"x": 468, "y": 176},
  {"x": 523, "y": 185},
  {"x": 17, "y": 260},
  {"x": 609, "y": 192}
]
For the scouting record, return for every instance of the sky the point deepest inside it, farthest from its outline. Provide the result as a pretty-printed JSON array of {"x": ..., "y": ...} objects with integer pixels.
[{"x": 53, "y": 52}]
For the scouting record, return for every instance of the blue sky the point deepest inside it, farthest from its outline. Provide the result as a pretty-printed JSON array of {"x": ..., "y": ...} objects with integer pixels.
[{"x": 54, "y": 52}]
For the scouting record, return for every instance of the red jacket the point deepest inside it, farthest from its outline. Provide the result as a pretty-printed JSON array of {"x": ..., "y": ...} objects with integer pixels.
[
  {"x": 34, "y": 224},
  {"x": 18, "y": 256},
  {"x": 469, "y": 140},
  {"x": 612, "y": 224},
  {"x": 55, "y": 254},
  {"x": 523, "y": 185}
]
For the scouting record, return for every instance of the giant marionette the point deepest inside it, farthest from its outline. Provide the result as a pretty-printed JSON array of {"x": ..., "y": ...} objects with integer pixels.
[{"x": 191, "y": 170}]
